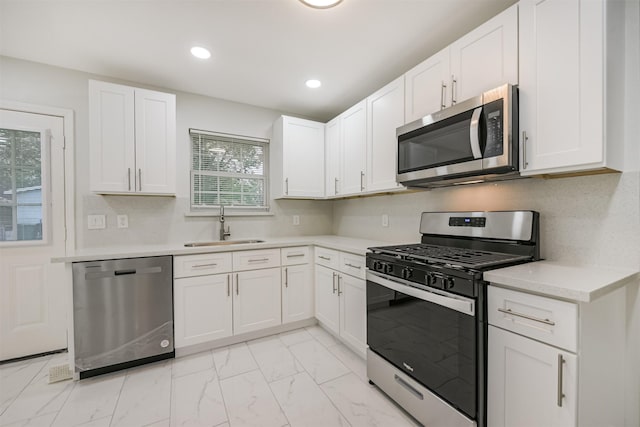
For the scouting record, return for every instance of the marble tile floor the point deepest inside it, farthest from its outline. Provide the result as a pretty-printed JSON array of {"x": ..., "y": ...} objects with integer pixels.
[{"x": 299, "y": 378}]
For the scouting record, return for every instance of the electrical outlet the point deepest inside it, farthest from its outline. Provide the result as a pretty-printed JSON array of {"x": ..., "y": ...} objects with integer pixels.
[
  {"x": 123, "y": 221},
  {"x": 96, "y": 222},
  {"x": 296, "y": 220},
  {"x": 385, "y": 220}
]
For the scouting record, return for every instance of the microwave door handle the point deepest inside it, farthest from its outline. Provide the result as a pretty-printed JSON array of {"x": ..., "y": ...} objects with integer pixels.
[{"x": 474, "y": 134}]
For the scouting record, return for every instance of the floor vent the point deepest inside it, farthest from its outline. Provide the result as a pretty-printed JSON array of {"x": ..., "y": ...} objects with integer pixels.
[{"x": 59, "y": 373}]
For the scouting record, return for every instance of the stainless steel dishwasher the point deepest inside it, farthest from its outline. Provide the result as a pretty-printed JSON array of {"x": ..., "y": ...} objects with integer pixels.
[{"x": 122, "y": 313}]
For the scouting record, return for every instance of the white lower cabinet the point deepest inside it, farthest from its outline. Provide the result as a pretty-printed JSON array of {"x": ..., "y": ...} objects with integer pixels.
[
  {"x": 297, "y": 293},
  {"x": 531, "y": 383},
  {"x": 203, "y": 309},
  {"x": 341, "y": 303},
  {"x": 256, "y": 300}
]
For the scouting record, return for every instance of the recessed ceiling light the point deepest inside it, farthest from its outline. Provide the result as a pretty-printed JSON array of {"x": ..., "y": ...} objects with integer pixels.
[
  {"x": 313, "y": 84},
  {"x": 321, "y": 4},
  {"x": 200, "y": 52}
]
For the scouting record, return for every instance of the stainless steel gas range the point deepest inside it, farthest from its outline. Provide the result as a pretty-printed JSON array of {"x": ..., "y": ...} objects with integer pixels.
[{"x": 426, "y": 311}]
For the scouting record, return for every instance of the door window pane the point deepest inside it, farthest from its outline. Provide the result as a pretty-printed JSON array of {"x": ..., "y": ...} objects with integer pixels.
[{"x": 20, "y": 185}]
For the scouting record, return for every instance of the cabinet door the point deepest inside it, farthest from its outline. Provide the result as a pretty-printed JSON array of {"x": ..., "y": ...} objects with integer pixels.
[
  {"x": 561, "y": 84},
  {"x": 327, "y": 301},
  {"x": 112, "y": 137},
  {"x": 385, "y": 113},
  {"x": 353, "y": 312},
  {"x": 524, "y": 380},
  {"x": 427, "y": 86},
  {"x": 303, "y": 158},
  {"x": 354, "y": 146},
  {"x": 256, "y": 300},
  {"x": 155, "y": 116},
  {"x": 202, "y": 309},
  {"x": 297, "y": 293},
  {"x": 487, "y": 57},
  {"x": 333, "y": 164}
]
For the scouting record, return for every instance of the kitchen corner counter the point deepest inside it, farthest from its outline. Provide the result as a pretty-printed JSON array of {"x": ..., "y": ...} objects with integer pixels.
[
  {"x": 345, "y": 244},
  {"x": 557, "y": 280}
]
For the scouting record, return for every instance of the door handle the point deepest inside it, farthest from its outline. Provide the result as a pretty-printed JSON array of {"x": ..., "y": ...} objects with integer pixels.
[
  {"x": 228, "y": 285},
  {"x": 408, "y": 386},
  {"x": 526, "y": 316},
  {"x": 237, "y": 285},
  {"x": 286, "y": 278},
  {"x": 339, "y": 291},
  {"x": 443, "y": 90},
  {"x": 140, "y": 179},
  {"x": 334, "y": 283},
  {"x": 129, "y": 177},
  {"x": 335, "y": 186},
  {"x": 525, "y": 138},
  {"x": 561, "y": 395},
  {"x": 361, "y": 181},
  {"x": 474, "y": 135},
  {"x": 286, "y": 186},
  {"x": 453, "y": 90}
]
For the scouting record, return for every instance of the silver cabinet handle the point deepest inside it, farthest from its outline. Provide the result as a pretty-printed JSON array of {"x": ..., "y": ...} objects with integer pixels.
[
  {"x": 526, "y": 316},
  {"x": 129, "y": 177},
  {"x": 339, "y": 291},
  {"x": 361, "y": 181},
  {"x": 286, "y": 278},
  {"x": 140, "y": 179},
  {"x": 237, "y": 285},
  {"x": 560, "y": 367},
  {"x": 335, "y": 186},
  {"x": 353, "y": 266},
  {"x": 525, "y": 138},
  {"x": 295, "y": 255},
  {"x": 286, "y": 186},
  {"x": 259, "y": 260},
  {"x": 334, "y": 282},
  {"x": 324, "y": 258},
  {"x": 443, "y": 90},
  {"x": 213, "y": 264},
  {"x": 228, "y": 285},
  {"x": 453, "y": 90}
]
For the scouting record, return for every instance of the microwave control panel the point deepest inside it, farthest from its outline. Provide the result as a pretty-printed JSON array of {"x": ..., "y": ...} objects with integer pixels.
[{"x": 494, "y": 118}]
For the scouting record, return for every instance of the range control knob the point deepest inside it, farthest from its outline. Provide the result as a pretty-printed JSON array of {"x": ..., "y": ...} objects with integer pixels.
[
  {"x": 449, "y": 283},
  {"x": 388, "y": 268},
  {"x": 376, "y": 266},
  {"x": 407, "y": 273},
  {"x": 429, "y": 279}
]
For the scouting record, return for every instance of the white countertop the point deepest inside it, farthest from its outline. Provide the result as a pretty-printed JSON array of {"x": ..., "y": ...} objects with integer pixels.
[
  {"x": 570, "y": 282},
  {"x": 345, "y": 244}
]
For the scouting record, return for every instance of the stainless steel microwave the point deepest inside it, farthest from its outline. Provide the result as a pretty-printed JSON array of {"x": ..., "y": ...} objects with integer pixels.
[{"x": 470, "y": 141}]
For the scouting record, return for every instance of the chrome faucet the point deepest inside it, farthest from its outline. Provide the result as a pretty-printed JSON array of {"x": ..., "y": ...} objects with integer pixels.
[{"x": 223, "y": 234}]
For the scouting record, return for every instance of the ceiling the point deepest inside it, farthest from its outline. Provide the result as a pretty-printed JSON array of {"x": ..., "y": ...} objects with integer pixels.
[{"x": 262, "y": 50}]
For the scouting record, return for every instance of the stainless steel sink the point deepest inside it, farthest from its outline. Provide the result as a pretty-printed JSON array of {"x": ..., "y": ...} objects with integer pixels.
[{"x": 221, "y": 243}]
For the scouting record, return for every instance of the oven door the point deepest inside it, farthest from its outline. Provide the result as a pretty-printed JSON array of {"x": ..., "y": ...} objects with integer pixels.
[{"x": 429, "y": 335}]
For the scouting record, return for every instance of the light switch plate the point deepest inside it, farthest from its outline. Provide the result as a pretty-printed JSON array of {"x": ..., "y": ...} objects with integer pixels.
[
  {"x": 96, "y": 222},
  {"x": 123, "y": 221},
  {"x": 385, "y": 220},
  {"x": 296, "y": 220}
]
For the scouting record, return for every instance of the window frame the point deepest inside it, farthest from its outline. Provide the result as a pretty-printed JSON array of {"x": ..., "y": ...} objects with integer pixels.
[{"x": 235, "y": 210}]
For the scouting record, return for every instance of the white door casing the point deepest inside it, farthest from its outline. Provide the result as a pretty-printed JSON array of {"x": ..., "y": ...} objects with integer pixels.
[{"x": 33, "y": 297}]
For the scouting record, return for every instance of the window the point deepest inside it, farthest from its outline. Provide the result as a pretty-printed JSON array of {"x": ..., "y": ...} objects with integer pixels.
[
  {"x": 21, "y": 209},
  {"x": 228, "y": 170}
]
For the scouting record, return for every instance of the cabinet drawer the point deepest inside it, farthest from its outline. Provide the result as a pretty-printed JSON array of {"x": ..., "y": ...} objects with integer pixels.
[
  {"x": 295, "y": 255},
  {"x": 200, "y": 265},
  {"x": 327, "y": 257},
  {"x": 353, "y": 265},
  {"x": 544, "y": 319},
  {"x": 254, "y": 260}
]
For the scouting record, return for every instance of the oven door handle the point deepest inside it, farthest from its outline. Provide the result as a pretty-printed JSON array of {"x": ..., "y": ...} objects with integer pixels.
[{"x": 454, "y": 302}]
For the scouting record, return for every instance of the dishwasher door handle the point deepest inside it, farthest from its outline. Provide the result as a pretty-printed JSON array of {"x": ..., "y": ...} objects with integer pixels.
[{"x": 123, "y": 272}]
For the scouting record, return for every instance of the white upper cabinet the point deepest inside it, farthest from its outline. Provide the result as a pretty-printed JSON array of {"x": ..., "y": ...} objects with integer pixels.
[
  {"x": 354, "y": 146},
  {"x": 427, "y": 86},
  {"x": 483, "y": 59},
  {"x": 385, "y": 113},
  {"x": 333, "y": 172},
  {"x": 486, "y": 57},
  {"x": 566, "y": 56},
  {"x": 297, "y": 155},
  {"x": 132, "y": 140}
]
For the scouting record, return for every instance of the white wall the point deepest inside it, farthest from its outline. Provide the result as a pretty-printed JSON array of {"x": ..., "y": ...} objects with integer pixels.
[{"x": 155, "y": 220}]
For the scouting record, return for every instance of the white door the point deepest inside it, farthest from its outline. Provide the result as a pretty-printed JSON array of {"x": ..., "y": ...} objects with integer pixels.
[
  {"x": 327, "y": 302},
  {"x": 203, "y": 309},
  {"x": 333, "y": 173},
  {"x": 528, "y": 385},
  {"x": 385, "y": 111},
  {"x": 257, "y": 300},
  {"x": 297, "y": 293},
  {"x": 33, "y": 302},
  {"x": 303, "y": 157},
  {"x": 427, "y": 86},
  {"x": 353, "y": 312},
  {"x": 354, "y": 147}
]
